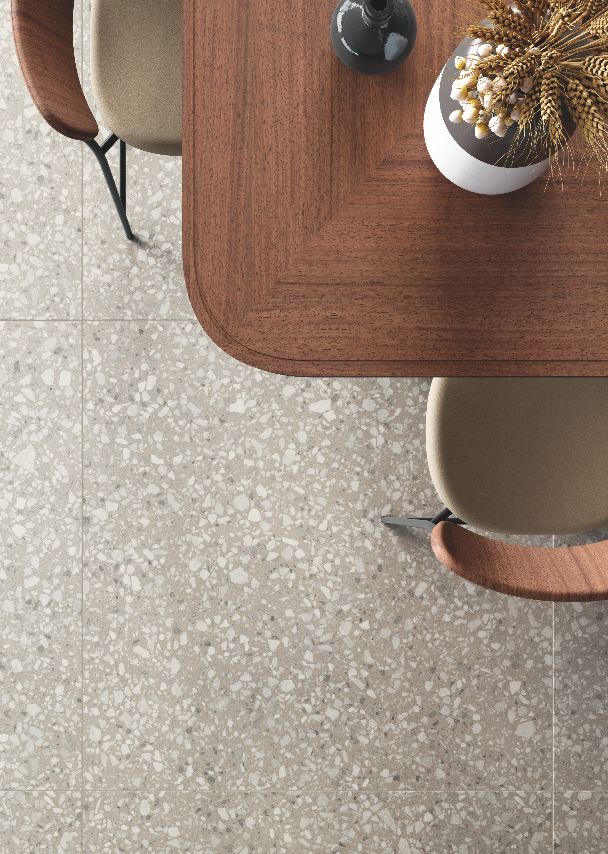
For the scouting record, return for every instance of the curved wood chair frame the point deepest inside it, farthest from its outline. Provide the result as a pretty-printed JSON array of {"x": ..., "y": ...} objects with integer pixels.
[
  {"x": 574, "y": 574},
  {"x": 43, "y": 31}
]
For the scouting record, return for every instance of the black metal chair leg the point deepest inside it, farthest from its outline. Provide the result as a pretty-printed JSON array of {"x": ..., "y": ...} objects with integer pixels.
[
  {"x": 427, "y": 522},
  {"x": 123, "y": 174},
  {"x": 407, "y": 522},
  {"x": 119, "y": 198}
]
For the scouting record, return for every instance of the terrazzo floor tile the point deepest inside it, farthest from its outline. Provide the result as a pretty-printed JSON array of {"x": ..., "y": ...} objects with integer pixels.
[
  {"x": 581, "y": 657},
  {"x": 40, "y": 420},
  {"x": 40, "y": 823},
  {"x": 40, "y": 203},
  {"x": 203, "y": 689},
  {"x": 581, "y": 750},
  {"x": 595, "y": 536},
  {"x": 143, "y": 278},
  {"x": 364, "y": 822},
  {"x": 581, "y": 688},
  {"x": 446, "y": 687},
  {"x": 581, "y": 819}
]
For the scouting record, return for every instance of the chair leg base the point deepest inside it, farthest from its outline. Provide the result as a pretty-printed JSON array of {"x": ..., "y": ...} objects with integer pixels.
[
  {"x": 426, "y": 522},
  {"x": 407, "y": 522},
  {"x": 119, "y": 197}
]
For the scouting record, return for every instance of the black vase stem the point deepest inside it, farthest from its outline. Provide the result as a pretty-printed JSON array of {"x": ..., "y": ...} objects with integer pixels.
[{"x": 378, "y": 11}]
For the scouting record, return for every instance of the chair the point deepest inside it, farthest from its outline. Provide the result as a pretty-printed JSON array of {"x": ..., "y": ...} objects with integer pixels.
[
  {"x": 136, "y": 76},
  {"x": 519, "y": 456}
]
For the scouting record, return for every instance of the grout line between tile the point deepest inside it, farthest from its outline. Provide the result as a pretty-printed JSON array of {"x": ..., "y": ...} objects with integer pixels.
[
  {"x": 553, "y": 722},
  {"x": 75, "y": 791},
  {"x": 82, "y": 789},
  {"x": 226, "y": 793}
]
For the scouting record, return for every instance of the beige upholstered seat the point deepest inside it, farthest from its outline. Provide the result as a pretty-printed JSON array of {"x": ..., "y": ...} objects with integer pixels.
[
  {"x": 521, "y": 455},
  {"x": 136, "y": 71}
]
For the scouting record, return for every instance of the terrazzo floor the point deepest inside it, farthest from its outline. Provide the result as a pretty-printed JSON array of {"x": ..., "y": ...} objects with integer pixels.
[{"x": 208, "y": 641}]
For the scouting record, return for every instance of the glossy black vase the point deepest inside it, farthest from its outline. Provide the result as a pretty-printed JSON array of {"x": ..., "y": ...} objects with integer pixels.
[{"x": 373, "y": 36}]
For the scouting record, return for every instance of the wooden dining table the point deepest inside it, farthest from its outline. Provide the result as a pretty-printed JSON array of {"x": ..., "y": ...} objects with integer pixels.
[{"x": 319, "y": 239}]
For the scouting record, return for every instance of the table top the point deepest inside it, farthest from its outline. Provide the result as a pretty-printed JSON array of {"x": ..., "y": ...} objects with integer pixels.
[{"x": 319, "y": 239}]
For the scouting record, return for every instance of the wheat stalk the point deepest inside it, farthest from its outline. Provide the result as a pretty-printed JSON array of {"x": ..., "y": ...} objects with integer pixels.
[
  {"x": 520, "y": 68},
  {"x": 529, "y": 107},
  {"x": 592, "y": 7},
  {"x": 584, "y": 105},
  {"x": 506, "y": 37},
  {"x": 517, "y": 25},
  {"x": 595, "y": 66},
  {"x": 551, "y": 108},
  {"x": 550, "y": 70}
]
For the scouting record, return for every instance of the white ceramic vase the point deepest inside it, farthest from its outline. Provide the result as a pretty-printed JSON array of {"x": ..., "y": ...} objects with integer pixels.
[{"x": 488, "y": 166}]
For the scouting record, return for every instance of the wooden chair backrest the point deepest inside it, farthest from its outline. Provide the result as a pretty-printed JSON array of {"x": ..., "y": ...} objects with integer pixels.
[
  {"x": 44, "y": 37},
  {"x": 576, "y": 574}
]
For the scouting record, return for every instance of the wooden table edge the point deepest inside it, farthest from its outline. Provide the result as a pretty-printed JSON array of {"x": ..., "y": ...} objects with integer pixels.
[{"x": 271, "y": 363}]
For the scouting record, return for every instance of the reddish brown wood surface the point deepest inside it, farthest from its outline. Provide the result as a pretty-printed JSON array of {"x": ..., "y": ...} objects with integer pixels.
[
  {"x": 44, "y": 39},
  {"x": 320, "y": 239},
  {"x": 576, "y": 574}
]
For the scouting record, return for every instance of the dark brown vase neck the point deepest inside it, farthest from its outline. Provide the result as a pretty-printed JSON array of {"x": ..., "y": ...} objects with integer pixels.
[{"x": 377, "y": 12}]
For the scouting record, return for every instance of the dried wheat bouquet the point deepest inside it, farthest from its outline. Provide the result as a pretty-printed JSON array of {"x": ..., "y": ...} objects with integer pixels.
[{"x": 540, "y": 64}]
